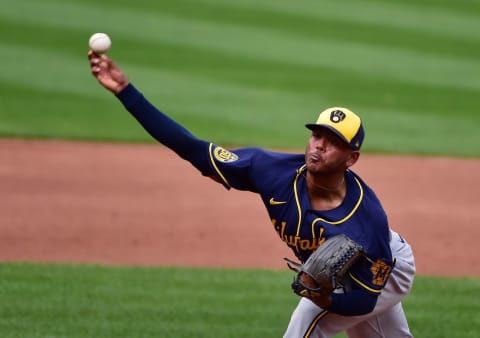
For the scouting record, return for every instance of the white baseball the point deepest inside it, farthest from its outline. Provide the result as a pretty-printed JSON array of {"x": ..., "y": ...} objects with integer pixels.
[{"x": 100, "y": 43}]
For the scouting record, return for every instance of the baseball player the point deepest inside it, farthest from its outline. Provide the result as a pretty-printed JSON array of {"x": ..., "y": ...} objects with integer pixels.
[{"x": 309, "y": 197}]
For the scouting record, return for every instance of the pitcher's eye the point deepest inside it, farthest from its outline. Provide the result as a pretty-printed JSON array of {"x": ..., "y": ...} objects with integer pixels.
[{"x": 334, "y": 142}]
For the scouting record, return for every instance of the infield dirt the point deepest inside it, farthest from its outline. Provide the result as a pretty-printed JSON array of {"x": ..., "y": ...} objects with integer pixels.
[{"x": 137, "y": 204}]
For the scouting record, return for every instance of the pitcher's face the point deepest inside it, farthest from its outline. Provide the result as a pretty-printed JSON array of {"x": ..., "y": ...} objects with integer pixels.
[{"x": 327, "y": 153}]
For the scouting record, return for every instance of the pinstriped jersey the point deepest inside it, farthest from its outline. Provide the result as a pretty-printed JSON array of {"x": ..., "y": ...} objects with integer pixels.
[{"x": 279, "y": 178}]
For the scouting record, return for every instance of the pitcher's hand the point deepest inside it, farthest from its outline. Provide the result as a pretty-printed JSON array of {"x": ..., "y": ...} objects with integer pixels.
[{"x": 107, "y": 72}]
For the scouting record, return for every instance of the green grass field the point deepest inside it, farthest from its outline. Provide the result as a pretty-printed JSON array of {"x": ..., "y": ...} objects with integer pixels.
[
  {"x": 237, "y": 73},
  {"x": 249, "y": 72},
  {"x": 101, "y": 301}
]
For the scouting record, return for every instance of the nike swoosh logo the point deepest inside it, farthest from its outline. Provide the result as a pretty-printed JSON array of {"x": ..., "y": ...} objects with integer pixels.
[{"x": 273, "y": 202}]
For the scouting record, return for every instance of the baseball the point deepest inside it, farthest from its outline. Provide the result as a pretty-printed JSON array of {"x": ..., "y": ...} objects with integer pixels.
[{"x": 100, "y": 43}]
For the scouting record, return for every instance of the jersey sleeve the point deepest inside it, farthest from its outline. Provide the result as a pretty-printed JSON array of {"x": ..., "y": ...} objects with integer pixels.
[
  {"x": 165, "y": 130},
  {"x": 241, "y": 169},
  {"x": 354, "y": 303},
  {"x": 230, "y": 168},
  {"x": 367, "y": 280},
  {"x": 371, "y": 273}
]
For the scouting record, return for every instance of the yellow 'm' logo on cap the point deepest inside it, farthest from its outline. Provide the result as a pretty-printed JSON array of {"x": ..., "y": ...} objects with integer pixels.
[{"x": 342, "y": 120}]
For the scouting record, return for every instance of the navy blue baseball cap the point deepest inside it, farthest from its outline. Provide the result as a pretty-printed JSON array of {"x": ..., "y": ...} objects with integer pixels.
[{"x": 344, "y": 123}]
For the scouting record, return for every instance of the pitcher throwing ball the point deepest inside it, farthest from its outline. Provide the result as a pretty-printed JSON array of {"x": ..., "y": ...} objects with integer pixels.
[{"x": 312, "y": 199}]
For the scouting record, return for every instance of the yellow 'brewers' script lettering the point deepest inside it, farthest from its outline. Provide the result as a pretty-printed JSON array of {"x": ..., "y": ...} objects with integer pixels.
[{"x": 296, "y": 242}]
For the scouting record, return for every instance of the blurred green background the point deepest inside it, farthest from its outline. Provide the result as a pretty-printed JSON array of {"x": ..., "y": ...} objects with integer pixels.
[
  {"x": 237, "y": 73},
  {"x": 249, "y": 72}
]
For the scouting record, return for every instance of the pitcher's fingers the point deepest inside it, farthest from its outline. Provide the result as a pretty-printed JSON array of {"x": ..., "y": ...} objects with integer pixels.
[{"x": 96, "y": 70}]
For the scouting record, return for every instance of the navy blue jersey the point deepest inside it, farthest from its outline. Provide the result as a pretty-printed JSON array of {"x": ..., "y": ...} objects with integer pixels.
[{"x": 279, "y": 178}]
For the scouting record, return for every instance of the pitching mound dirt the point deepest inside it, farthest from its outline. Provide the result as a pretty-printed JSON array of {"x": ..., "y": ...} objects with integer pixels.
[{"x": 142, "y": 205}]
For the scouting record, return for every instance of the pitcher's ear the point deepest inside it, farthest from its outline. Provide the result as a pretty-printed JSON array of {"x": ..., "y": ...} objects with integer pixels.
[{"x": 354, "y": 156}]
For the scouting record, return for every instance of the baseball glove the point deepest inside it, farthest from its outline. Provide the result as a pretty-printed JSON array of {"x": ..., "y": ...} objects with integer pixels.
[{"x": 326, "y": 267}]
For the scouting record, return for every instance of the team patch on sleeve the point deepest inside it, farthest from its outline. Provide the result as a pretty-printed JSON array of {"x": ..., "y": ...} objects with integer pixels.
[
  {"x": 223, "y": 155},
  {"x": 380, "y": 271}
]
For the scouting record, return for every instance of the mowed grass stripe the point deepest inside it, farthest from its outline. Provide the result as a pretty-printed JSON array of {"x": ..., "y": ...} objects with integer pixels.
[
  {"x": 230, "y": 68},
  {"x": 318, "y": 23},
  {"x": 200, "y": 70},
  {"x": 419, "y": 132},
  {"x": 39, "y": 113},
  {"x": 418, "y": 16},
  {"x": 214, "y": 64},
  {"x": 40, "y": 300},
  {"x": 270, "y": 45},
  {"x": 79, "y": 105},
  {"x": 176, "y": 84},
  {"x": 181, "y": 94},
  {"x": 236, "y": 107},
  {"x": 141, "y": 302}
]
